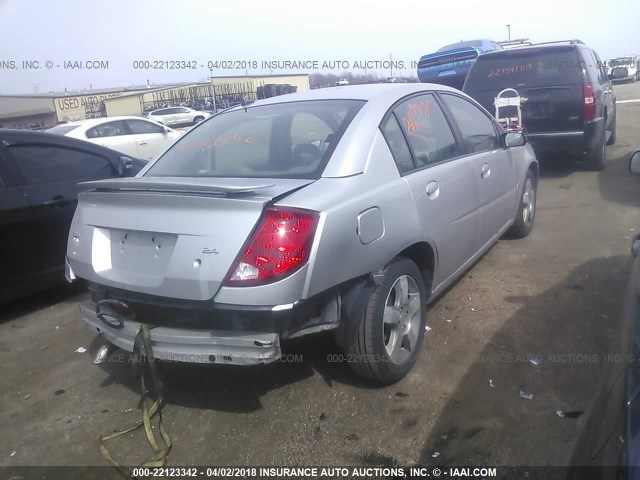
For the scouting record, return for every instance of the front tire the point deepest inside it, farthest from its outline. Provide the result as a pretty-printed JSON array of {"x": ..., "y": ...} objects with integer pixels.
[
  {"x": 523, "y": 223},
  {"x": 197, "y": 120},
  {"x": 391, "y": 331}
]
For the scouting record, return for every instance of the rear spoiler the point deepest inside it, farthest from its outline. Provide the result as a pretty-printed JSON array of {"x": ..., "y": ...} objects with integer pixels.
[
  {"x": 449, "y": 56},
  {"x": 227, "y": 186}
]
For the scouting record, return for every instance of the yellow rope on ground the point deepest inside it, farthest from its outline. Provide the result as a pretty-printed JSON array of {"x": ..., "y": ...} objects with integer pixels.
[{"x": 149, "y": 408}]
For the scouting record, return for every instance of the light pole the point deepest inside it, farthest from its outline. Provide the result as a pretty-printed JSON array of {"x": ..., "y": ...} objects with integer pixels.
[{"x": 509, "y": 31}]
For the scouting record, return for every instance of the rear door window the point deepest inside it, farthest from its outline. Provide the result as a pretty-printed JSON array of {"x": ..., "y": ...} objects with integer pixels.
[
  {"x": 139, "y": 127},
  {"x": 527, "y": 67},
  {"x": 110, "y": 129},
  {"x": 426, "y": 129},
  {"x": 45, "y": 164}
]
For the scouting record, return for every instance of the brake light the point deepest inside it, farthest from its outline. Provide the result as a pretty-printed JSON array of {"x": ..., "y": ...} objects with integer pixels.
[
  {"x": 589, "y": 102},
  {"x": 278, "y": 247}
]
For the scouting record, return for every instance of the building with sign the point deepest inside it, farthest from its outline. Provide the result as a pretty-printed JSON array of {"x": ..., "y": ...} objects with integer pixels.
[{"x": 48, "y": 109}]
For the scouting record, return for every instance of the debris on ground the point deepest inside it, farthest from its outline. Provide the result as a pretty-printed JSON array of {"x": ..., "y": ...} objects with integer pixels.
[
  {"x": 402, "y": 394},
  {"x": 448, "y": 321},
  {"x": 59, "y": 392},
  {"x": 128, "y": 410},
  {"x": 44, "y": 347},
  {"x": 27, "y": 397},
  {"x": 323, "y": 417},
  {"x": 473, "y": 309},
  {"x": 491, "y": 383},
  {"x": 525, "y": 395},
  {"x": 427, "y": 328},
  {"x": 81, "y": 350},
  {"x": 436, "y": 454},
  {"x": 535, "y": 361},
  {"x": 570, "y": 414},
  {"x": 13, "y": 453}
]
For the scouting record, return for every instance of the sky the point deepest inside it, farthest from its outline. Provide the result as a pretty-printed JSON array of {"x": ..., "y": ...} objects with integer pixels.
[{"x": 122, "y": 32}]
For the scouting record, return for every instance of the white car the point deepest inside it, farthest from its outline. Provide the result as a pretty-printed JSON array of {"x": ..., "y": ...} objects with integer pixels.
[
  {"x": 178, "y": 116},
  {"x": 624, "y": 69},
  {"x": 133, "y": 136}
]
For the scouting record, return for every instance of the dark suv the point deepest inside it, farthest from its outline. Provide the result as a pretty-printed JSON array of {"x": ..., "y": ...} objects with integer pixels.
[{"x": 567, "y": 100}]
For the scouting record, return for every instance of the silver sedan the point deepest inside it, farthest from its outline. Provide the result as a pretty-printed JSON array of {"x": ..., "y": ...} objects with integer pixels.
[{"x": 346, "y": 209}]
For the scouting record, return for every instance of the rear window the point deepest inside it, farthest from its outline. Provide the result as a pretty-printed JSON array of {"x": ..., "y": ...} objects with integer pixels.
[
  {"x": 525, "y": 68},
  {"x": 286, "y": 140},
  {"x": 62, "y": 129}
]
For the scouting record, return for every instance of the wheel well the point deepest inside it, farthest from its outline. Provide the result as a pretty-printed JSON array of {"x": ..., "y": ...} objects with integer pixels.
[{"x": 423, "y": 256}]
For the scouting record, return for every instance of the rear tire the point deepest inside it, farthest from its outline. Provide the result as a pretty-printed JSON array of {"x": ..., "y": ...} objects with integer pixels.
[
  {"x": 612, "y": 137},
  {"x": 198, "y": 119},
  {"x": 597, "y": 157},
  {"x": 391, "y": 330},
  {"x": 526, "y": 214}
]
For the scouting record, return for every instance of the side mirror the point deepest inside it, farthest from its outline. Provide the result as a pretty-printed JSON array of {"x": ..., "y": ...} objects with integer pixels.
[
  {"x": 125, "y": 164},
  {"x": 514, "y": 139},
  {"x": 166, "y": 130},
  {"x": 634, "y": 163}
]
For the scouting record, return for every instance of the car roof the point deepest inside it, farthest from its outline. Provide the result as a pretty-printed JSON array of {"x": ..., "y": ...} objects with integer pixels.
[
  {"x": 35, "y": 136},
  {"x": 166, "y": 108},
  {"x": 386, "y": 93},
  {"x": 529, "y": 49},
  {"x": 92, "y": 122}
]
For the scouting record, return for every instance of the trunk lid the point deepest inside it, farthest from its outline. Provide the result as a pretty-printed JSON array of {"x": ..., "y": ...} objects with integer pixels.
[
  {"x": 455, "y": 56},
  {"x": 172, "y": 237}
]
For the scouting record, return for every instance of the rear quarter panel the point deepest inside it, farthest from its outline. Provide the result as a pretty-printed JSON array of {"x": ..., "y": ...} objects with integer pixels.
[{"x": 339, "y": 254}]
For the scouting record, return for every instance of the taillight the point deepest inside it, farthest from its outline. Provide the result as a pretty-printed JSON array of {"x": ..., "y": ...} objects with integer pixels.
[
  {"x": 278, "y": 247},
  {"x": 589, "y": 102}
]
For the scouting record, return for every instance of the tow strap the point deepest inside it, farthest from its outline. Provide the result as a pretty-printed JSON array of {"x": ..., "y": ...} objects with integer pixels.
[{"x": 145, "y": 364}]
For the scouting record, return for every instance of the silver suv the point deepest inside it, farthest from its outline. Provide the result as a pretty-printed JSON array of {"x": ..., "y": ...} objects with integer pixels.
[{"x": 345, "y": 209}]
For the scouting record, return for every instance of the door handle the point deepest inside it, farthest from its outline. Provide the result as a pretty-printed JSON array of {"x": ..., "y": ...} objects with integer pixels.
[
  {"x": 486, "y": 171},
  {"x": 142, "y": 143},
  {"x": 433, "y": 190},
  {"x": 57, "y": 201}
]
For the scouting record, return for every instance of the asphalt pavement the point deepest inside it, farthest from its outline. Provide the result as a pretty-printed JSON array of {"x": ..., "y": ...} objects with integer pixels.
[{"x": 521, "y": 336}]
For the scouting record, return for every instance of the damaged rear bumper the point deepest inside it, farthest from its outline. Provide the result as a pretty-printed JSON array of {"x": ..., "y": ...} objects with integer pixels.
[{"x": 192, "y": 345}]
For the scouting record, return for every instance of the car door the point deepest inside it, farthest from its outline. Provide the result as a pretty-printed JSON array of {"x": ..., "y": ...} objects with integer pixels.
[
  {"x": 608, "y": 97},
  {"x": 171, "y": 116},
  {"x": 184, "y": 115},
  {"x": 114, "y": 135},
  {"x": 151, "y": 139},
  {"x": 48, "y": 174},
  {"x": 494, "y": 165},
  {"x": 442, "y": 181},
  {"x": 19, "y": 255}
]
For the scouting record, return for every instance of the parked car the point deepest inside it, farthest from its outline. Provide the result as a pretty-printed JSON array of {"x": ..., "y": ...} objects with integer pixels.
[
  {"x": 331, "y": 209},
  {"x": 624, "y": 69},
  {"x": 134, "y": 136},
  {"x": 450, "y": 64},
  {"x": 609, "y": 445},
  {"x": 39, "y": 175},
  {"x": 568, "y": 104},
  {"x": 178, "y": 116}
]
